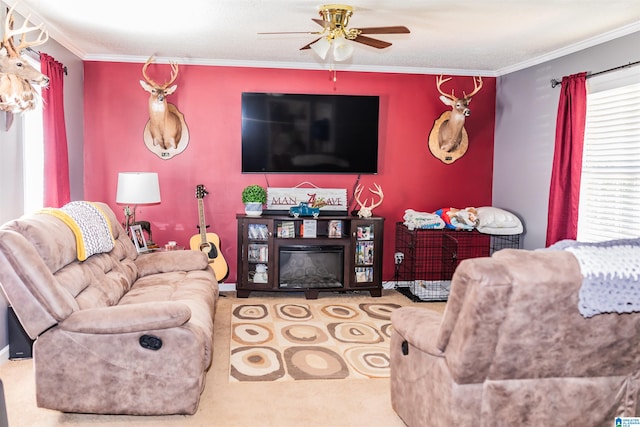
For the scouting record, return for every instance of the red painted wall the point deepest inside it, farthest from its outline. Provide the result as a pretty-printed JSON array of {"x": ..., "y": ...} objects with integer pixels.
[{"x": 209, "y": 97}]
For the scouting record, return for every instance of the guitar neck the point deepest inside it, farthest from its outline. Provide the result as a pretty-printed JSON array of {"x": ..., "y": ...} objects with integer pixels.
[{"x": 203, "y": 226}]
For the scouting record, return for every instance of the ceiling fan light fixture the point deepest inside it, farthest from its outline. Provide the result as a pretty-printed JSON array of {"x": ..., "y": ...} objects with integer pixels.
[
  {"x": 342, "y": 49},
  {"x": 321, "y": 47}
]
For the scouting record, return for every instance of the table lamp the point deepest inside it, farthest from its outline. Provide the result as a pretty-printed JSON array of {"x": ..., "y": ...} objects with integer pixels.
[{"x": 137, "y": 188}]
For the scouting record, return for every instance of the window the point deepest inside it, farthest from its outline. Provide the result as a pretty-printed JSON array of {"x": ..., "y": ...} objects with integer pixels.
[
  {"x": 610, "y": 185},
  {"x": 33, "y": 154}
]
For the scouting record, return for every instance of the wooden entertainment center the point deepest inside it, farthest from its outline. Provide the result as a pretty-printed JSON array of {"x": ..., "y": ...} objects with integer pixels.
[{"x": 328, "y": 253}]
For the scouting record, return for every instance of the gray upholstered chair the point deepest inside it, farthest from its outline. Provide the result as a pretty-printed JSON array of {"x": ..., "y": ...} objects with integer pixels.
[{"x": 511, "y": 348}]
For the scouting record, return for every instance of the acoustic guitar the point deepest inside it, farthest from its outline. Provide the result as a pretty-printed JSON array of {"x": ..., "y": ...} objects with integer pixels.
[{"x": 209, "y": 243}]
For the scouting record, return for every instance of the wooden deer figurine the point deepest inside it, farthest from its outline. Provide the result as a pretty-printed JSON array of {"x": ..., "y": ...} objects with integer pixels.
[
  {"x": 165, "y": 121},
  {"x": 367, "y": 211},
  {"x": 448, "y": 139},
  {"x": 17, "y": 76}
]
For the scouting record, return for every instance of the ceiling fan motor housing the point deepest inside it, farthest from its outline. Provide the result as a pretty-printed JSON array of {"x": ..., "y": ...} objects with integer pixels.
[{"x": 336, "y": 14}]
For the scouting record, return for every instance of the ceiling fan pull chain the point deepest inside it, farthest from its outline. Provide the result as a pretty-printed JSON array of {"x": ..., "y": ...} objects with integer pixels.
[{"x": 333, "y": 74}]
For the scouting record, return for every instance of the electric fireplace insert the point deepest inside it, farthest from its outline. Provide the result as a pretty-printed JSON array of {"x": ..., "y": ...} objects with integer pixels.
[{"x": 311, "y": 267}]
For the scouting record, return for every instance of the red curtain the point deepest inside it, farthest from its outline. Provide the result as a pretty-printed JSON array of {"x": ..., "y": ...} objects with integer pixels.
[
  {"x": 564, "y": 192},
  {"x": 56, "y": 158}
]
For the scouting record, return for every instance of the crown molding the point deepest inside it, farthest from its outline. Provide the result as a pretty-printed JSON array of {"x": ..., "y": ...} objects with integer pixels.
[
  {"x": 576, "y": 47},
  {"x": 291, "y": 65}
]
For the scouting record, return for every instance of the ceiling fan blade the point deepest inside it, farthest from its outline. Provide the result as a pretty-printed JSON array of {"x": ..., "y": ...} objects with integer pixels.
[
  {"x": 308, "y": 46},
  {"x": 292, "y": 32},
  {"x": 378, "y": 44},
  {"x": 321, "y": 22},
  {"x": 385, "y": 30}
]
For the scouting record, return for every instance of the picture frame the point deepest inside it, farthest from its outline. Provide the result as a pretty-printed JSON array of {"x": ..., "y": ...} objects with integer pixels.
[
  {"x": 138, "y": 238},
  {"x": 335, "y": 229}
]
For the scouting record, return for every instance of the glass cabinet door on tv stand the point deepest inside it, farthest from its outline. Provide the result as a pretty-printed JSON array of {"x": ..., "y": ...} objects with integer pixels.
[
  {"x": 366, "y": 239},
  {"x": 255, "y": 272}
]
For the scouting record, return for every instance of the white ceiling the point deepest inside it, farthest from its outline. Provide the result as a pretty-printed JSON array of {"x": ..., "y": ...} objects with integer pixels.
[{"x": 465, "y": 37}]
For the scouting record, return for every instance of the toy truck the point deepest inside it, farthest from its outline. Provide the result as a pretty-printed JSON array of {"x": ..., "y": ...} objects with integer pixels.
[{"x": 303, "y": 209}]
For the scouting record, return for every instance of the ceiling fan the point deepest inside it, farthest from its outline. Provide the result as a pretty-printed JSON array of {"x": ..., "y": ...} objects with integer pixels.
[{"x": 335, "y": 32}]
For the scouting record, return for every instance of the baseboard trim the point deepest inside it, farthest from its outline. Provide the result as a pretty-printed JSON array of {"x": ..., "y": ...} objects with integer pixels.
[
  {"x": 397, "y": 284},
  {"x": 4, "y": 354},
  {"x": 230, "y": 287},
  {"x": 388, "y": 285},
  {"x": 226, "y": 287}
]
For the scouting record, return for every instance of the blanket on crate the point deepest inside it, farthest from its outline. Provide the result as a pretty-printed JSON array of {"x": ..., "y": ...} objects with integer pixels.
[
  {"x": 90, "y": 226},
  {"x": 611, "y": 272},
  {"x": 421, "y": 220}
]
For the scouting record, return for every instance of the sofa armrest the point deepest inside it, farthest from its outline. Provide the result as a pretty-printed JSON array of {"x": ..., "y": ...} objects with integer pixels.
[
  {"x": 418, "y": 326},
  {"x": 170, "y": 261},
  {"x": 128, "y": 318}
]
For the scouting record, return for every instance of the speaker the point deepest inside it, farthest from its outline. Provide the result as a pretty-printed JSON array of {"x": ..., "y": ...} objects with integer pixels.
[{"x": 19, "y": 342}]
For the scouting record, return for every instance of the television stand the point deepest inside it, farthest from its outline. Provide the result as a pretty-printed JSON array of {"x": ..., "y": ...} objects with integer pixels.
[{"x": 333, "y": 253}]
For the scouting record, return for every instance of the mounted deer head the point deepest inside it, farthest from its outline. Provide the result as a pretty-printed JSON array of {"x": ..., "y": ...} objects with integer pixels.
[
  {"x": 448, "y": 140},
  {"x": 450, "y": 134},
  {"x": 165, "y": 124},
  {"x": 367, "y": 211},
  {"x": 17, "y": 76}
]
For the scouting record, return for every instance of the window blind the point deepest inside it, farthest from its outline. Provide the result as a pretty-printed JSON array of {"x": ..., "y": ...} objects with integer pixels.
[{"x": 610, "y": 185}]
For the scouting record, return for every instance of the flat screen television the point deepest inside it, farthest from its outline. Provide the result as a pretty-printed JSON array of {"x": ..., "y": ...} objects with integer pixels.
[{"x": 297, "y": 133}]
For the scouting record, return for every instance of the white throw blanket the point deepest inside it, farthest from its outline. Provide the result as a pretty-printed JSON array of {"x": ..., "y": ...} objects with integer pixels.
[
  {"x": 611, "y": 272},
  {"x": 422, "y": 220}
]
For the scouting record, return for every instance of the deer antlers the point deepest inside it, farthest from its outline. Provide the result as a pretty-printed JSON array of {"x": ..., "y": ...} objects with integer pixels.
[
  {"x": 439, "y": 82},
  {"x": 9, "y": 33},
  {"x": 366, "y": 211},
  {"x": 174, "y": 74},
  {"x": 477, "y": 85}
]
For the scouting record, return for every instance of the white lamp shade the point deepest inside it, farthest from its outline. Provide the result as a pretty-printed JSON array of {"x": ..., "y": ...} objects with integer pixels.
[
  {"x": 342, "y": 49},
  {"x": 138, "y": 188},
  {"x": 321, "y": 47}
]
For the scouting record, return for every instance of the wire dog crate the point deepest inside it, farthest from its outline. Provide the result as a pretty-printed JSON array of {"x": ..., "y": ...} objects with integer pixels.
[{"x": 430, "y": 256}]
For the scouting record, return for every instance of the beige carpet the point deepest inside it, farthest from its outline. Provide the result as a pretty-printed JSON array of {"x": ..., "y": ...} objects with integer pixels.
[{"x": 349, "y": 403}]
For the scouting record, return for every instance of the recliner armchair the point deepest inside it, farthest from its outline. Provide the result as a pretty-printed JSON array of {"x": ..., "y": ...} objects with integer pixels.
[{"x": 511, "y": 348}]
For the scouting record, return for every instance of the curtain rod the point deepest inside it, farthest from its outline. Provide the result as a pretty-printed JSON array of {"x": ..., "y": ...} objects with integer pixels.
[
  {"x": 35, "y": 52},
  {"x": 556, "y": 82}
]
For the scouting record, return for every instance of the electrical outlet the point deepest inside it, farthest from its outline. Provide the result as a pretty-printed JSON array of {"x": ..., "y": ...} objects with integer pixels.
[{"x": 399, "y": 257}]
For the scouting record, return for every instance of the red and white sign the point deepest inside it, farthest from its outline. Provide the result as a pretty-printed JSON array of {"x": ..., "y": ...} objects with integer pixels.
[{"x": 328, "y": 199}]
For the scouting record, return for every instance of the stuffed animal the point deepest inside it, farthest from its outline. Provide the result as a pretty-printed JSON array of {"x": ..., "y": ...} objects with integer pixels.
[{"x": 459, "y": 219}]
